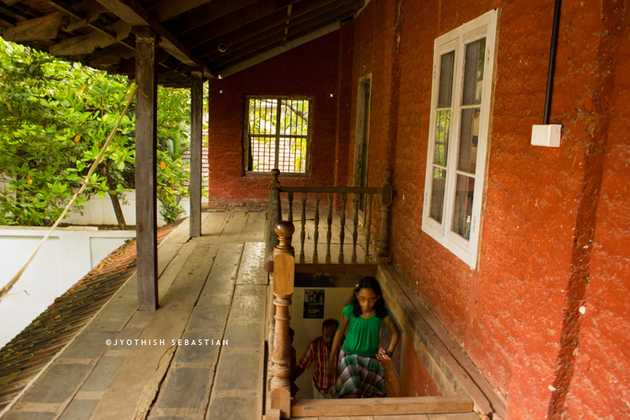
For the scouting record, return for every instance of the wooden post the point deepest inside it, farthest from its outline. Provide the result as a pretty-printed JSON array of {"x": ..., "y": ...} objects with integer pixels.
[
  {"x": 273, "y": 212},
  {"x": 386, "y": 206},
  {"x": 283, "y": 283},
  {"x": 146, "y": 207},
  {"x": 196, "y": 116}
]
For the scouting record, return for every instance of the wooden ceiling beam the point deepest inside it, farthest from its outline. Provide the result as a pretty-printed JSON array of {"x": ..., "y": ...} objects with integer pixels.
[
  {"x": 132, "y": 12},
  {"x": 233, "y": 21},
  {"x": 169, "y": 9},
  {"x": 271, "y": 22},
  {"x": 252, "y": 36},
  {"x": 277, "y": 42},
  {"x": 203, "y": 15},
  {"x": 37, "y": 29},
  {"x": 86, "y": 44},
  {"x": 273, "y": 52}
]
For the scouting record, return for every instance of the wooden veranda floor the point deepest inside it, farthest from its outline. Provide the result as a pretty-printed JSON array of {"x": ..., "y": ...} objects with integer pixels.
[{"x": 212, "y": 289}]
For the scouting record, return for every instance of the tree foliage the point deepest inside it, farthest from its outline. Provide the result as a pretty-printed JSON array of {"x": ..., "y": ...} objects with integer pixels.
[{"x": 55, "y": 116}]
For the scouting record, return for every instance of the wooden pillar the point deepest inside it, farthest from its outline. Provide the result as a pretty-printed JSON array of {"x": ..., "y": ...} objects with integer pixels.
[
  {"x": 146, "y": 207},
  {"x": 386, "y": 207},
  {"x": 283, "y": 284},
  {"x": 196, "y": 117}
]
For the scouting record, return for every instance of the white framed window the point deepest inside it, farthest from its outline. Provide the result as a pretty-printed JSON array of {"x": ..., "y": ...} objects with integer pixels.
[{"x": 458, "y": 136}]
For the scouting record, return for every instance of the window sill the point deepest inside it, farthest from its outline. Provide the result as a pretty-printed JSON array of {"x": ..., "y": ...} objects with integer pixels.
[{"x": 282, "y": 175}]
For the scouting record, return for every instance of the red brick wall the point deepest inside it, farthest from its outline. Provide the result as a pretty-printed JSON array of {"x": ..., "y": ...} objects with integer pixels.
[
  {"x": 309, "y": 70},
  {"x": 516, "y": 314}
]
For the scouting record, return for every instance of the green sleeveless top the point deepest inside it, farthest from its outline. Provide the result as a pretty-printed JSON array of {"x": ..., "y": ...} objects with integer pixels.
[{"x": 363, "y": 336}]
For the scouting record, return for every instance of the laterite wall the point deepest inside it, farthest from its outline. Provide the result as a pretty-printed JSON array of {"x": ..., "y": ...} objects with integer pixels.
[{"x": 555, "y": 222}]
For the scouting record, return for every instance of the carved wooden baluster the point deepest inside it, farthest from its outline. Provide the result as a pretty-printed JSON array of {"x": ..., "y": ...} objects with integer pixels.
[
  {"x": 303, "y": 232},
  {"x": 283, "y": 285},
  {"x": 342, "y": 224},
  {"x": 355, "y": 226},
  {"x": 290, "y": 206},
  {"x": 316, "y": 232},
  {"x": 329, "y": 220},
  {"x": 386, "y": 205},
  {"x": 368, "y": 226},
  {"x": 273, "y": 212}
]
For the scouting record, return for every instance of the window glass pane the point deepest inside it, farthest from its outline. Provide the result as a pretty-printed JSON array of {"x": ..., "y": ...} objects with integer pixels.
[
  {"x": 442, "y": 126},
  {"x": 292, "y": 154},
  {"x": 262, "y": 116},
  {"x": 445, "y": 90},
  {"x": 462, "y": 212},
  {"x": 473, "y": 71},
  {"x": 469, "y": 137},
  {"x": 262, "y": 153},
  {"x": 294, "y": 117},
  {"x": 438, "y": 184}
]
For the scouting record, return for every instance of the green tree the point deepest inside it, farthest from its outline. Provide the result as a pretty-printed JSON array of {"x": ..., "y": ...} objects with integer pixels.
[{"x": 54, "y": 118}]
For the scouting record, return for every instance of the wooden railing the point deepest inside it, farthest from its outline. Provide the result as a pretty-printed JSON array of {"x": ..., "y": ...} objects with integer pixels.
[{"x": 345, "y": 204}]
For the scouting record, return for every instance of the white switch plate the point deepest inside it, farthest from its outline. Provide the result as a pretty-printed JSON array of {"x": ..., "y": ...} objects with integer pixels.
[{"x": 547, "y": 135}]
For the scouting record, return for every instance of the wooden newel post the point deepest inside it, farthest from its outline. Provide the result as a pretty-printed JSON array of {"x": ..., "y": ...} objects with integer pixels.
[
  {"x": 283, "y": 283},
  {"x": 273, "y": 212},
  {"x": 386, "y": 208}
]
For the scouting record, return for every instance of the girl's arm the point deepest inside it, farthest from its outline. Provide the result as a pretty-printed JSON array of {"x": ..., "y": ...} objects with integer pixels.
[{"x": 336, "y": 344}]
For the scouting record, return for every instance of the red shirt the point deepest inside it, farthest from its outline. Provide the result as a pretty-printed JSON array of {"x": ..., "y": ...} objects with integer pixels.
[{"x": 318, "y": 352}]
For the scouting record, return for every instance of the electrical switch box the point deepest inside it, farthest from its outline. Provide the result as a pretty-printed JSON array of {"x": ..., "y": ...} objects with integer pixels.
[{"x": 546, "y": 135}]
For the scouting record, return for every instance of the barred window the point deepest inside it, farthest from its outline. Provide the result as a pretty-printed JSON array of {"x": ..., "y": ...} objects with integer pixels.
[{"x": 278, "y": 134}]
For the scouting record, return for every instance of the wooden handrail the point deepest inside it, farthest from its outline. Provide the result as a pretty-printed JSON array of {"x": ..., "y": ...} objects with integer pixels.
[{"x": 350, "y": 190}]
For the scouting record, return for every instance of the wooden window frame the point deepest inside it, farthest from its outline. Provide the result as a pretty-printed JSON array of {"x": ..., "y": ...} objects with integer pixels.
[
  {"x": 309, "y": 137},
  {"x": 456, "y": 40}
]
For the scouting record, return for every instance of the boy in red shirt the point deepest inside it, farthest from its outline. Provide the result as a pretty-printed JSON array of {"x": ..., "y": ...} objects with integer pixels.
[{"x": 318, "y": 353}]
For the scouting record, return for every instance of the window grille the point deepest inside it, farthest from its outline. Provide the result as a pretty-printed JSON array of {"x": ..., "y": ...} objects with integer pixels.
[{"x": 278, "y": 134}]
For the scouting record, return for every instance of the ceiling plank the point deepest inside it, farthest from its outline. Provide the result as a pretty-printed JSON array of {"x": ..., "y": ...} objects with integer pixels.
[
  {"x": 132, "y": 12},
  {"x": 45, "y": 27},
  {"x": 266, "y": 55},
  {"x": 169, "y": 9},
  {"x": 233, "y": 21},
  {"x": 203, "y": 15}
]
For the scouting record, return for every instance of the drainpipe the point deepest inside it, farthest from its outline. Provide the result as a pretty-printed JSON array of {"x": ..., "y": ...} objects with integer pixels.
[
  {"x": 552, "y": 60},
  {"x": 545, "y": 134}
]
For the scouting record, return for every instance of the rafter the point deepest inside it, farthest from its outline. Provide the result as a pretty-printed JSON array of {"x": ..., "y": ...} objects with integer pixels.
[
  {"x": 259, "y": 26},
  {"x": 132, "y": 12}
]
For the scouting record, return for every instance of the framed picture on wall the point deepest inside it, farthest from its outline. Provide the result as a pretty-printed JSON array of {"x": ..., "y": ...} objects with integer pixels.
[{"x": 314, "y": 303}]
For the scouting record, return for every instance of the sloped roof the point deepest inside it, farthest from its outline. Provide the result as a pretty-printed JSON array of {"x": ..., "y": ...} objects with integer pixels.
[
  {"x": 37, "y": 344},
  {"x": 216, "y": 37}
]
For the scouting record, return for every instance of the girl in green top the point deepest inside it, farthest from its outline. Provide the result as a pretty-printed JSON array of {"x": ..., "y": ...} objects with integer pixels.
[{"x": 360, "y": 371}]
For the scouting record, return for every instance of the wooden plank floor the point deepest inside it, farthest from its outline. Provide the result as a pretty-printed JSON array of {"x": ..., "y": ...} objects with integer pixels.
[{"x": 212, "y": 293}]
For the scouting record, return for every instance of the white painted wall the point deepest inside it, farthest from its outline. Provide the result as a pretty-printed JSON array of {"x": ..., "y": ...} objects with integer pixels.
[
  {"x": 67, "y": 255},
  {"x": 99, "y": 211},
  {"x": 307, "y": 330}
]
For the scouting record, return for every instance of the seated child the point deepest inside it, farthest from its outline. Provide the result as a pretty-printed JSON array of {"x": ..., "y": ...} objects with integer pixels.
[
  {"x": 318, "y": 353},
  {"x": 361, "y": 374}
]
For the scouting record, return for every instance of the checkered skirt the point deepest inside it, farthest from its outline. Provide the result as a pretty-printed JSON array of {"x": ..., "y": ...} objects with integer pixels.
[{"x": 360, "y": 375}]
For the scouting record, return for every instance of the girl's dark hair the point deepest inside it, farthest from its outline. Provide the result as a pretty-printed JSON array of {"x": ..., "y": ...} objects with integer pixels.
[{"x": 369, "y": 283}]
